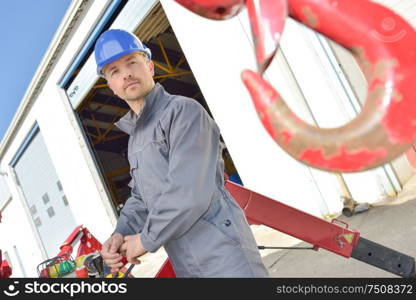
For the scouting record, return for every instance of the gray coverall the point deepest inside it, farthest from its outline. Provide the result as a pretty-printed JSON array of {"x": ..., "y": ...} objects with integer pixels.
[{"x": 178, "y": 199}]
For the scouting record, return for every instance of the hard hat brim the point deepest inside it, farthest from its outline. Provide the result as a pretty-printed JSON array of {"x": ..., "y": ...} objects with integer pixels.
[{"x": 115, "y": 57}]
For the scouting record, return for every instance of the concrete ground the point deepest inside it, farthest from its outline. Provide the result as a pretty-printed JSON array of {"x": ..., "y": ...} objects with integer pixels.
[{"x": 391, "y": 223}]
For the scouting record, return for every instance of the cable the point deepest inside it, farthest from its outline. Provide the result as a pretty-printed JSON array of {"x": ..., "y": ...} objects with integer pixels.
[{"x": 289, "y": 248}]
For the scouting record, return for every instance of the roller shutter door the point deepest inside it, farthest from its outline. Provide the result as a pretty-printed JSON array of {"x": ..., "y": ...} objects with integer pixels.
[{"x": 44, "y": 195}]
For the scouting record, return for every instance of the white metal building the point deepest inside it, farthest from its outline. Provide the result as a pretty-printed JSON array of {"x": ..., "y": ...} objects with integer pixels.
[{"x": 63, "y": 163}]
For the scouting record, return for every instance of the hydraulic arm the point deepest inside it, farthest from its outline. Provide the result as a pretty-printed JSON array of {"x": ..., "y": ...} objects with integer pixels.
[{"x": 333, "y": 236}]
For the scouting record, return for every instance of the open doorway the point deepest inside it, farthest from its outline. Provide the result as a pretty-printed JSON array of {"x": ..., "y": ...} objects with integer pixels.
[{"x": 100, "y": 109}]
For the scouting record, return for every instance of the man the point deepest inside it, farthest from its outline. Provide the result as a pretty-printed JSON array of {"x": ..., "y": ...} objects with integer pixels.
[{"x": 178, "y": 197}]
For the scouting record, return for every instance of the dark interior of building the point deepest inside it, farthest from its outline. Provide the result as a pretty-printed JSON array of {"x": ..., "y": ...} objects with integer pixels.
[{"x": 101, "y": 108}]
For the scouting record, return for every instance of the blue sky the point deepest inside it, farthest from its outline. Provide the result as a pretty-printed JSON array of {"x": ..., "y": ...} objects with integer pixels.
[{"x": 27, "y": 27}]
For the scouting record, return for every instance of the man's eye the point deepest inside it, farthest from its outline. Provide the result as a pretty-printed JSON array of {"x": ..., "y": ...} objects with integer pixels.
[
  {"x": 113, "y": 72},
  {"x": 132, "y": 62}
]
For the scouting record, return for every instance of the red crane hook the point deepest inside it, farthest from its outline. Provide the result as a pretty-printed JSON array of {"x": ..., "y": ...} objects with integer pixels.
[
  {"x": 214, "y": 9},
  {"x": 385, "y": 127}
]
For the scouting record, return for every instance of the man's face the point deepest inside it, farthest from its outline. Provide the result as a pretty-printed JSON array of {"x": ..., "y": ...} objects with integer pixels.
[{"x": 130, "y": 77}]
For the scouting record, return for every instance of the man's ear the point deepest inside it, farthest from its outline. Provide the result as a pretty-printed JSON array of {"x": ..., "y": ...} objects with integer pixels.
[
  {"x": 111, "y": 87},
  {"x": 152, "y": 67}
]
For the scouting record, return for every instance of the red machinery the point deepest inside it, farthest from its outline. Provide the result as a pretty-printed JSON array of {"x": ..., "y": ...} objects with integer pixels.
[
  {"x": 333, "y": 236},
  {"x": 386, "y": 126},
  {"x": 87, "y": 262},
  {"x": 5, "y": 270}
]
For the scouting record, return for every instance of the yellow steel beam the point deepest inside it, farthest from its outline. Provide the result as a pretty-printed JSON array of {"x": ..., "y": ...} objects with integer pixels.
[
  {"x": 114, "y": 137},
  {"x": 96, "y": 125},
  {"x": 98, "y": 86},
  {"x": 97, "y": 141},
  {"x": 162, "y": 67},
  {"x": 111, "y": 126},
  {"x": 112, "y": 123},
  {"x": 180, "y": 61},
  {"x": 93, "y": 135},
  {"x": 162, "y": 79},
  {"x": 165, "y": 56},
  {"x": 117, "y": 172},
  {"x": 86, "y": 100},
  {"x": 172, "y": 74},
  {"x": 109, "y": 106}
]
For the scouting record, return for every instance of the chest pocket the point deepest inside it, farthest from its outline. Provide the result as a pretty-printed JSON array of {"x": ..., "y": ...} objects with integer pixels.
[
  {"x": 152, "y": 149},
  {"x": 151, "y": 134},
  {"x": 149, "y": 161}
]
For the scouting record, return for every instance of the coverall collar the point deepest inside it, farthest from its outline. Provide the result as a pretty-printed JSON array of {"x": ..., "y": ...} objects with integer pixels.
[{"x": 152, "y": 103}]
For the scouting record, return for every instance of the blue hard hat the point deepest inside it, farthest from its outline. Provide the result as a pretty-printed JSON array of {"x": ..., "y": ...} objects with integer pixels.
[{"x": 115, "y": 43}]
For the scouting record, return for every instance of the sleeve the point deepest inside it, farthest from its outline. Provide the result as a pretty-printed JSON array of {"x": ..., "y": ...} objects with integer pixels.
[
  {"x": 193, "y": 140},
  {"x": 133, "y": 214}
]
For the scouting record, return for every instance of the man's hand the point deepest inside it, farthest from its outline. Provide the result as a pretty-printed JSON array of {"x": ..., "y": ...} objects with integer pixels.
[
  {"x": 110, "y": 251},
  {"x": 133, "y": 248}
]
